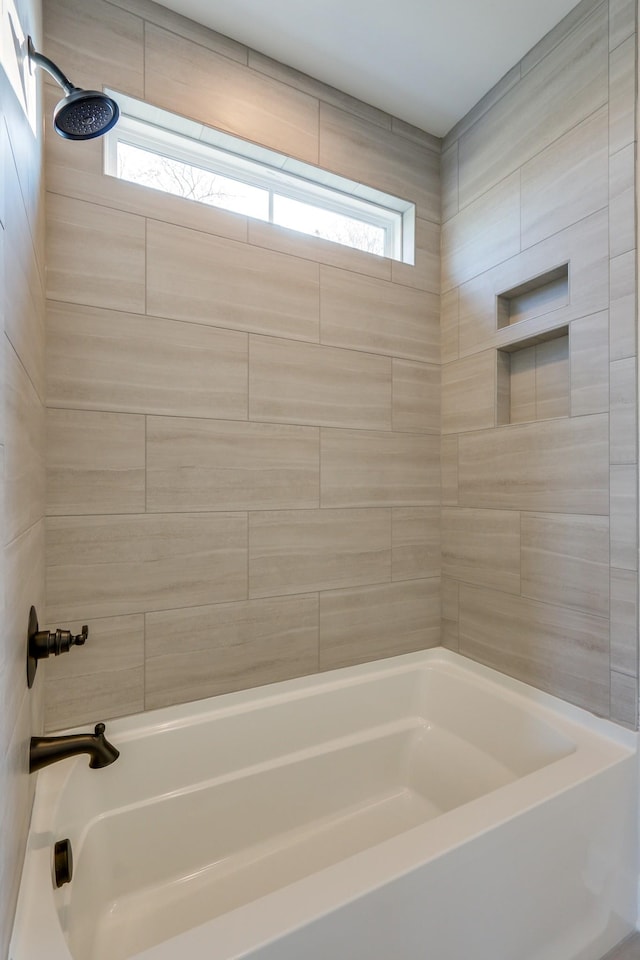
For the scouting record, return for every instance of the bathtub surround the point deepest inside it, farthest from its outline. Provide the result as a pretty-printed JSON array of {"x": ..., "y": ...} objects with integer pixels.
[
  {"x": 253, "y": 435},
  {"x": 243, "y": 422},
  {"x": 540, "y": 520},
  {"x": 21, "y": 446}
]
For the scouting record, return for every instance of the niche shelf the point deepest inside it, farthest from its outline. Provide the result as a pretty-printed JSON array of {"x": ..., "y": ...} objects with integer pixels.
[
  {"x": 543, "y": 294},
  {"x": 533, "y": 378}
]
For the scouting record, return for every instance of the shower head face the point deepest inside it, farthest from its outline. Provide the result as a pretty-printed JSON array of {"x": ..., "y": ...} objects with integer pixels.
[{"x": 85, "y": 114}]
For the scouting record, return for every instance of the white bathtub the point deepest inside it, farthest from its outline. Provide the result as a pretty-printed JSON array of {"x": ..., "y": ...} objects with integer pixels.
[{"x": 418, "y": 808}]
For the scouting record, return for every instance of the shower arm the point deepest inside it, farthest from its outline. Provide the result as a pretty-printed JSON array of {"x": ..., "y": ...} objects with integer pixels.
[{"x": 41, "y": 61}]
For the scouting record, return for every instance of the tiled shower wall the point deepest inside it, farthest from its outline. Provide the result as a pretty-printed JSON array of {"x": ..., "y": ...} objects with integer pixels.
[
  {"x": 243, "y": 423},
  {"x": 539, "y": 448},
  {"x": 22, "y": 417}
]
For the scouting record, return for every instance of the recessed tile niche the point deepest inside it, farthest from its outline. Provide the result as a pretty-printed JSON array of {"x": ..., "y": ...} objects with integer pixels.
[{"x": 533, "y": 372}]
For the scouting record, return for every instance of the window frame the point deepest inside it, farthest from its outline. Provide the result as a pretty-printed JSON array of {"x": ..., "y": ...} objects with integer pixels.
[{"x": 178, "y": 138}]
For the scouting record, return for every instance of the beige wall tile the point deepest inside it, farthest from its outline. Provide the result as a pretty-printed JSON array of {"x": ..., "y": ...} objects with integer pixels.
[
  {"x": 552, "y": 378},
  {"x": 407, "y": 130},
  {"x": 585, "y": 246},
  {"x": 23, "y": 283},
  {"x": 569, "y": 84},
  {"x": 623, "y": 337},
  {"x": 557, "y": 465},
  {"x": 425, "y": 274},
  {"x": 589, "y": 360},
  {"x": 204, "y": 279},
  {"x": 163, "y": 17},
  {"x": 622, "y": 92},
  {"x": 449, "y": 320},
  {"x": 95, "y": 462},
  {"x": 415, "y": 543},
  {"x": 297, "y": 244},
  {"x": 372, "y": 469},
  {"x": 104, "y": 679},
  {"x": 622, "y": 21},
  {"x": 194, "y": 81},
  {"x": 624, "y": 517},
  {"x": 449, "y": 182},
  {"x": 469, "y": 393},
  {"x": 558, "y": 34},
  {"x": 568, "y": 181},
  {"x": 565, "y": 560},
  {"x": 449, "y": 469},
  {"x": 96, "y": 43},
  {"x": 622, "y": 220},
  {"x": 450, "y": 614},
  {"x": 365, "y": 314},
  {"x": 108, "y": 566},
  {"x": 517, "y": 385},
  {"x": 564, "y": 652},
  {"x": 482, "y": 547},
  {"x": 416, "y": 397},
  {"x": 623, "y": 422},
  {"x": 95, "y": 255},
  {"x": 229, "y": 646},
  {"x": 624, "y": 621},
  {"x": 295, "y": 551},
  {"x": 216, "y": 465},
  {"x": 309, "y": 383},
  {"x": 483, "y": 234},
  {"x": 624, "y": 699},
  {"x": 103, "y": 360},
  {"x": 24, "y": 476},
  {"x": 365, "y": 152},
  {"x": 381, "y": 621}
]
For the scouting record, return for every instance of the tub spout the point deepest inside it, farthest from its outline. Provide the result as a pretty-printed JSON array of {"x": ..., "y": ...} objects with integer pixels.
[{"x": 46, "y": 750}]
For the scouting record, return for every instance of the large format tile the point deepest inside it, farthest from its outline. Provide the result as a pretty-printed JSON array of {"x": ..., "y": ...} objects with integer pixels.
[
  {"x": 622, "y": 220},
  {"x": 425, "y": 272},
  {"x": 365, "y": 152},
  {"x": 95, "y": 462},
  {"x": 225, "y": 465},
  {"x": 310, "y": 383},
  {"x": 623, "y": 333},
  {"x": 194, "y": 81},
  {"x": 229, "y": 646},
  {"x": 297, "y": 551},
  {"x": 565, "y": 652},
  {"x": 555, "y": 465},
  {"x": 385, "y": 620},
  {"x": 624, "y": 621},
  {"x": 415, "y": 543},
  {"x": 566, "y": 182},
  {"x": 205, "y": 279},
  {"x": 113, "y": 565},
  {"x": 379, "y": 317},
  {"x": 469, "y": 393},
  {"x": 589, "y": 361},
  {"x": 24, "y": 472},
  {"x": 483, "y": 234},
  {"x": 624, "y": 699},
  {"x": 624, "y": 516},
  {"x": 569, "y": 84},
  {"x": 622, "y": 94},
  {"x": 416, "y": 397},
  {"x": 482, "y": 547},
  {"x": 623, "y": 412},
  {"x": 97, "y": 44},
  {"x": 95, "y": 255},
  {"x": 103, "y": 360},
  {"x": 103, "y": 679},
  {"x": 565, "y": 560},
  {"x": 367, "y": 468}
]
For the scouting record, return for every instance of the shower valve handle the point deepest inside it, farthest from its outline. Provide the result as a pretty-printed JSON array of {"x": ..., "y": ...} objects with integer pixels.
[{"x": 44, "y": 643}]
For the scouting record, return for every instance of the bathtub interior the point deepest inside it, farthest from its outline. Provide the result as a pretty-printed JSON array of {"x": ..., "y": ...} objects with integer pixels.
[{"x": 215, "y": 805}]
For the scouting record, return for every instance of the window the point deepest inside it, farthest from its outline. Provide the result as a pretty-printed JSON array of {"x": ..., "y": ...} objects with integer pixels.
[{"x": 166, "y": 152}]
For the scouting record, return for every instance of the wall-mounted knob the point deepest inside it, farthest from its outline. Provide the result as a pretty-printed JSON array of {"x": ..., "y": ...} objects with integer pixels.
[{"x": 43, "y": 643}]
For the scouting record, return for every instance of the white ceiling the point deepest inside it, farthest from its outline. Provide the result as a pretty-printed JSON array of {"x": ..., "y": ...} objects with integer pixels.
[{"x": 425, "y": 61}]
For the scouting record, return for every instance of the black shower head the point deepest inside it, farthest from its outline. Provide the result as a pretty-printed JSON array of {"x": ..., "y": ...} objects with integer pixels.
[
  {"x": 82, "y": 114},
  {"x": 85, "y": 114}
]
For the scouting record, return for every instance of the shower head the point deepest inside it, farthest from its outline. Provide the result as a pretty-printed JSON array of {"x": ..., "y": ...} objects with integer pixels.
[{"x": 82, "y": 114}]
